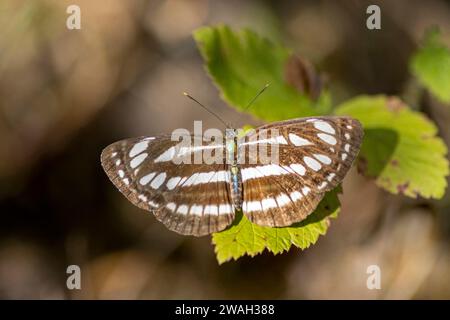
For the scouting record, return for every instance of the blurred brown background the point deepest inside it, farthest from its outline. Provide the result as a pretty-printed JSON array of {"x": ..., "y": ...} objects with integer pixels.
[{"x": 66, "y": 94}]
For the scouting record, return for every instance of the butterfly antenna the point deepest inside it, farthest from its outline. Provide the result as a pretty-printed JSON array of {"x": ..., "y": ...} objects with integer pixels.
[
  {"x": 207, "y": 109},
  {"x": 256, "y": 97}
]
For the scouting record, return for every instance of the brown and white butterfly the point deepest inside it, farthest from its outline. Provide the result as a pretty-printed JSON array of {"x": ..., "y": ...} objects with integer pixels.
[{"x": 314, "y": 154}]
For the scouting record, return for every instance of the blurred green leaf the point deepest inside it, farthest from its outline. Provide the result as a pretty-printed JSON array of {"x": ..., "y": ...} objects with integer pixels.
[
  {"x": 431, "y": 65},
  {"x": 241, "y": 63},
  {"x": 246, "y": 238},
  {"x": 400, "y": 148}
]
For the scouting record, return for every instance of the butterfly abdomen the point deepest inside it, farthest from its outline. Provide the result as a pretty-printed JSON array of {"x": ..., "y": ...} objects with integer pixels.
[
  {"x": 235, "y": 174},
  {"x": 236, "y": 186}
]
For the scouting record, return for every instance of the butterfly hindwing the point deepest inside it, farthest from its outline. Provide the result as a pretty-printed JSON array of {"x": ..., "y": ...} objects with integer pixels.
[
  {"x": 313, "y": 156},
  {"x": 191, "y": 199}
]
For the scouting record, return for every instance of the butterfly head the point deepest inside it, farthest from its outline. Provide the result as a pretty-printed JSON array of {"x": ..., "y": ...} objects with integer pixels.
[
  {"x": 231, "y": 137},
  {"x": 231, "y": 133}
]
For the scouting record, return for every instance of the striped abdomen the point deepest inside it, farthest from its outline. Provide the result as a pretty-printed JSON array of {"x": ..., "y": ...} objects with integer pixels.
[{"x": 236, "y": 186}]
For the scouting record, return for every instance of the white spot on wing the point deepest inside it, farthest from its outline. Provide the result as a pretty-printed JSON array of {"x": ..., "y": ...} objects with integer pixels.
[
  {"x": 211, "y": 209},
  {"x": 183, "y": 209},
  {"x": 288, "y": 169},
  {"x": 189, "y": 150},
  {"x": 222, "y": 176},
  {"x": 344, "y": 156},
  {"x": 272, "y": 140},
  {"x": 297, "y": 167},
  {"x": 225, "y": 209},
  {"x": 283, "y": 200},
  {"x": 147, "y": 178},
  {"x": 312, "y": 163},
  {"x": 171, "y": 206},
  {"x": 166, "y": 155},
  {"x": 327, "y": 138},
  {"x": 322, "y": 158},
  {"x": 138, "y": 160},
  {"x": 250, "y": 173},
  {"x": 331, "y": 176},
  {"x": 264, "y": 171},
  {"x": 306, "y": 190},
  {"x": 153, "y": 204},
  {"x": 322, "y": 185},
  {"x": 324, "y": 126},
  {"x": 347, "y": 136},
  {"x": 204, "y": 177},
  {"x": 296, "y": 196},
  {"x": 121, "y": 173},
  {"x": 191, "y": 180},
  {"x": 252, "y": 206},
  {"x": 158, "y": 181},
  {"x": 172, "y": 183},
  {"x": 196, "y": 210},
  {"x": 142, "y": 197},
  {"x": 272, "y": 170},
  {"x": 268, "y": 203},
  {"x": 298, "y": 141},
  {"x": 138, "y": 148},
  {"x": 347, "y": 147}
]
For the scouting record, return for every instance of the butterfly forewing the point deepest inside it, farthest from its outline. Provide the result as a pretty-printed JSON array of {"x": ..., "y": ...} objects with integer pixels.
[
  {"x": 191, "y": 199},
  {"x": 313, "y": 156}
]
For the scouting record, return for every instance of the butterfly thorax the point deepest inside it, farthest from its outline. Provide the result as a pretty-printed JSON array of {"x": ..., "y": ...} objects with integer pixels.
[{"x": 234, "y": 171}]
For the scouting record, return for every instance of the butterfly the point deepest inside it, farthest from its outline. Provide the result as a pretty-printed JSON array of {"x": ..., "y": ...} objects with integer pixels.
[{"x": 313, "y": 156}]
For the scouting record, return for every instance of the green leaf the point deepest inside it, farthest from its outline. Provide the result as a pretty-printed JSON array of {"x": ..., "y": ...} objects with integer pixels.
[
  {"x": 245, "y": 238},
  {"x": 431, "y": 65},
  {"x": 400, "y": 147},
  {"x": 241, "y": 63}
]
